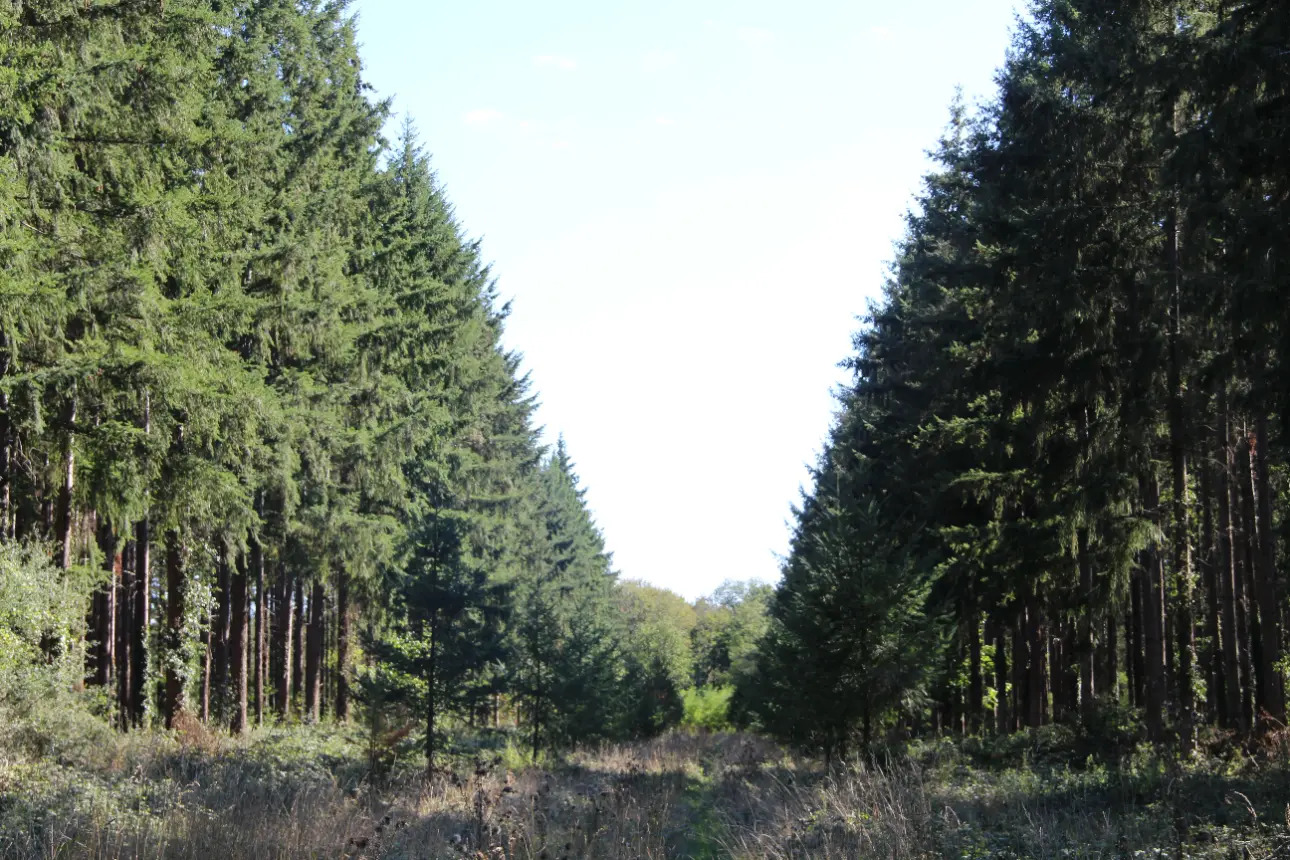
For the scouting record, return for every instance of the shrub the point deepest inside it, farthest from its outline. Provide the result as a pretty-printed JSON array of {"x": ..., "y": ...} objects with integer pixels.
[
  {"x": 42, "y": 653},
  {"x": 706, "y": 708}
]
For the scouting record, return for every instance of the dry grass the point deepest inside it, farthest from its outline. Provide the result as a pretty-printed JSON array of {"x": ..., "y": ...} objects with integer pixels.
[{"x": 306, "y": 794}]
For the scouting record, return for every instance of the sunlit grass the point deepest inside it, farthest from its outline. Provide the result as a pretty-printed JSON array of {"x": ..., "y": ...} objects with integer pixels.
[{"x": 307, "y": 792}]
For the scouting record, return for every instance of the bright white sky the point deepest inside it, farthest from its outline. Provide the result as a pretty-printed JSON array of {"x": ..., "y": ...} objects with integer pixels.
[{"x": 689, "y": 202}]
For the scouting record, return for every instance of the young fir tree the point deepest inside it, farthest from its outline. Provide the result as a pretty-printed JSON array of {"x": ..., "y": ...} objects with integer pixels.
[{"x": 567, "y": 660}]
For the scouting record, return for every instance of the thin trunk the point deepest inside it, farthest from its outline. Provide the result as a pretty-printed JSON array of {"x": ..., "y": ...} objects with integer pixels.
[
  {"x": 313, "y": 655},
  {"x": 64, "y": 518},
  {"x": 342, "y": 646},
  {"x": 1153, "y": 626},
  {"x": 204, "y": 710},
  {"x": 140, "y": 622},
  {"x": 1036, "y": 680},
  {"x": 298, "y": 645},
  {"x": 1002, "y": 723},
  {"x": 976, "y": 683},
  {"x": 221, "y": 630},
  {"x": 324, "y": 669},
  {"x": 1020, "y": 656},
  {"x": 174, "y": 639},
  {"x": 1231, "y": 642},
  {"x": 1251, "y": 639},
  {"x": 1184, "y": 632},
  {"x": 1133, "y": 647},
  {"x": 282, "y": 630},
  {"x": 237, "y": 646},
  {"x": 1111, "y": 683},
  {"x": 1154, "y": 647},
  {"x": 1215, "y": 693},
  {"x": 1184, "y": 640},
  {"x": 124, "y": 630},
  {"x": 257, "y": 567},
  {"x": 432, "y": 700},
  {"x": 103, "y": 628},
  {"x": 1085, "y": 649},
  {"x": 7, "y": 524},
  {"x": 1271, "y": 688}
]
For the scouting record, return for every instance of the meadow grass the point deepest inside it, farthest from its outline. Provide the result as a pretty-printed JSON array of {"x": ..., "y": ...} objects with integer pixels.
[{"x": 309, "y": 792}]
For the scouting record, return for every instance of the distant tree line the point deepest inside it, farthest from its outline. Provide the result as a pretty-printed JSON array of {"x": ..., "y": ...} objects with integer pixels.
[
  {"x": 251, "y": 377},
  {"x": 1057, "y": 484}
]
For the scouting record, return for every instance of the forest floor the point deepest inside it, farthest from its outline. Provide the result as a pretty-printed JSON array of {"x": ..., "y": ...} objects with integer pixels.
[{"x": 309, "y": 793}]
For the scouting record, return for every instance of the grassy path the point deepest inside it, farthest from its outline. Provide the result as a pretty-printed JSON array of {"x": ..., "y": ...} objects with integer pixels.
[{"x": 697, "y": 826}]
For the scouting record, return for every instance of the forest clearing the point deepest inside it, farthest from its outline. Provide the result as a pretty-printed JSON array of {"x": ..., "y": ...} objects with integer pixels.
[{"x": 310, "y": 794}]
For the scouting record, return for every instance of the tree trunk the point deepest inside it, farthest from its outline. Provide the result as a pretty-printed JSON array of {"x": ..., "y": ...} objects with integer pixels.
[
  {"x": 1111, "y": 680},
  {"x": 1002, "y": 723},
  {"x": 1154, "y": 647},
  {"x": 174, "y": 639},
  {"x": 1184, "y": 632},
  {"x": 237, "y": 646},
  {"x": 1212, "y": 659},
  {"x": 313, "y": 655},
  {"x": 103, "y": 628},
  {"x": 1137, "y": 627},
  {"x": 1085, "y": 649},
  {"x": 282, "y": 637},
  {"x": 204, "y": 709},
  {"x": 1271, "y": 688},
  {"x": 432, "y": 703},
  {"x": 63, "y": 518},
  {"x": 1036, "y": 680},
  {"x": 1230, "y": 714},
  {"x": 1248, "y": 619},
  {"x": 261, "y": 657},
  {"x": 976, "y": 683},
  {"x": 298, "y": 645},
  {"x": 124, "y": 632},
  {"x": 7, "y": 525},
  {"x": 140, "y": 622},
  {"x": 221, "y": 629},
  {"x": 1020, "y": 658},
  {"x": 342, "y": 646}
]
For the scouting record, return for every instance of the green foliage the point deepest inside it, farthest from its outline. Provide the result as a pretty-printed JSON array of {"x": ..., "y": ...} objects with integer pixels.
[
  {"x": 567, "y": 651},
  {"x": 42, "y": 656},
  {"x": 706, "y": 708}
]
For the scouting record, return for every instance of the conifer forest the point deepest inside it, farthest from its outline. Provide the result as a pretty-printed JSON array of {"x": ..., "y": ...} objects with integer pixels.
[{"x": 287, "y": 569}]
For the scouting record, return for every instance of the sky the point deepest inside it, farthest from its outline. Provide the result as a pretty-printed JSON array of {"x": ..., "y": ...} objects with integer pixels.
[{"x": 689, "y": 206}]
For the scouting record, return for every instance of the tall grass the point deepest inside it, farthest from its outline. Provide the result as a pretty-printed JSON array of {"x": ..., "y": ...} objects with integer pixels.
[{"x": 308, "y": 793}]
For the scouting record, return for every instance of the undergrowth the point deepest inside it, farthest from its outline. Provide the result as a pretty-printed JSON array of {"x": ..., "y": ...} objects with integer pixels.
[{"x": 311, "y": 792}]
